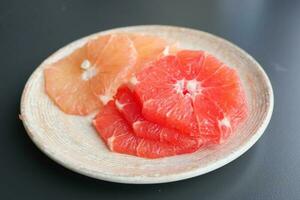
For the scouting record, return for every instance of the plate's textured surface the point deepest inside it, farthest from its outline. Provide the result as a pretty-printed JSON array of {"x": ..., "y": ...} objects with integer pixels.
[{"x": 72, "y": 141}]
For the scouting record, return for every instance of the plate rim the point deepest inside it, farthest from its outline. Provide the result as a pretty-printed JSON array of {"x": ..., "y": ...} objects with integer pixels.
[{"x": 168, "y": 178}]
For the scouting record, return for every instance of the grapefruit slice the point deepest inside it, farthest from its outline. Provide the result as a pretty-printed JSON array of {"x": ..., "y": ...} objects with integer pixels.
[
  {"x": 65, "y": 84},
  {"x": 192, "y": 92},
  {"x": 92, "y": 72},
  {"x": 130, "y": 108},
  {"x": 119, "y": 136}
]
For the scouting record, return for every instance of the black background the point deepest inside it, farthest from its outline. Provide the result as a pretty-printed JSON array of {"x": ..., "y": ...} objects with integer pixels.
[{"x": 269, "y": 30}]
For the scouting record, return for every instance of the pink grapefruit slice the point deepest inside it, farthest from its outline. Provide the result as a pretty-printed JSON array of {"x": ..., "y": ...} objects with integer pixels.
[
  {"x": 119, "y": 137},
  {"x": 131, "y": 109},
  {"x": 192, "y": 92}
]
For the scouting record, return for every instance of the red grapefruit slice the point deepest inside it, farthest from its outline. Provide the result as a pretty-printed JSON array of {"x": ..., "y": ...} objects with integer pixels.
[
  {"x": 192, "y": 92},
  {"x": 130, "y": 108},
  {"x": 119, "y": 136}
]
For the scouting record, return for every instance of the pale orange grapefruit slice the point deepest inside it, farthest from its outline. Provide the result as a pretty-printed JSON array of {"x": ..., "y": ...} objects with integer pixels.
[
  {"x": 66, "y": 85},
  {"x": 82, "y": 81}
]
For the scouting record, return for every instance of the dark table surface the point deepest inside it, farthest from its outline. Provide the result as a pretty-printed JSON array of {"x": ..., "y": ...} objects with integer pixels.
[{"x": 269, "y": 30}]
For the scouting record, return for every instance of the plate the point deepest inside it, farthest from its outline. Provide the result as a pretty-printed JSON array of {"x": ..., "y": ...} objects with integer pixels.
[{"x": 72, "y": 142}]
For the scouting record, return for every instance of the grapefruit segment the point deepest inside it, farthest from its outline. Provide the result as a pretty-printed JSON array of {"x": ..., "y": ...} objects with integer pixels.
[
  {"x": 212, "y": 123},
  {"x": 150, "y": 48},
  {"x": 154, "y": 149},
  {"x": 152, "y": 131},
  {"x": 96, "y": 46},
  {"x": 224, "y": 88},
  {"x": 177, "y": 114},
  {"x": 190, "y": 62},
  {"x": 115, "y": 61},
  {"x": 234, "y": 103},
  {"x": 126, "y": 144},
  {"x": 128, "y": 105},
  {"x": 109, "y": 123}
]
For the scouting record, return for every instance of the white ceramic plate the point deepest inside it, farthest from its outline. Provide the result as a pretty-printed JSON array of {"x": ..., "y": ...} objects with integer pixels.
[{"x": 72, "y": 141}]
